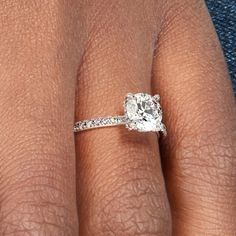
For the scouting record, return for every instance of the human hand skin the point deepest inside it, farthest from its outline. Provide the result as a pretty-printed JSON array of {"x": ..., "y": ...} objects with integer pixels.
[{"x": 61, "y": 59}]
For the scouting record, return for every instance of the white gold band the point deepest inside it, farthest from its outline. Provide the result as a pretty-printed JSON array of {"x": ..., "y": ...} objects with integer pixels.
[
  {"x": 99, "y": 123},
  {"x": 105, "y": 122}
]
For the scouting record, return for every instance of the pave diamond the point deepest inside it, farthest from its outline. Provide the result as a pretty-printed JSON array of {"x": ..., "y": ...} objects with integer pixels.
[
  {"x": 99, "y": 122},
  {"x": 143, "y": 112}
]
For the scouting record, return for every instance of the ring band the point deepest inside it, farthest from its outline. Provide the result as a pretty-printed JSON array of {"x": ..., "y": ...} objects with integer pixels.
[
  {"x": 142, "y": 112},
  {"x": 99, "y": 122}
]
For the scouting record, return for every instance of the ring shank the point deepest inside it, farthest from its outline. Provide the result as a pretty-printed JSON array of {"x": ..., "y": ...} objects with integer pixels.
[{"x": 99, "y": 123}]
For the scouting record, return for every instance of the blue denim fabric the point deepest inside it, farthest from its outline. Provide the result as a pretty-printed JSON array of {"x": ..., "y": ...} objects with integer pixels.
[{"x": 223, "y": 14}]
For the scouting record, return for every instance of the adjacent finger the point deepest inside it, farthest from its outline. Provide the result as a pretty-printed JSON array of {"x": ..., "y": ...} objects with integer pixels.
[
  {"x": 39, "y": 58},
  {"x": 199, "y": 153},
  {"x": 120, "y": 184}
]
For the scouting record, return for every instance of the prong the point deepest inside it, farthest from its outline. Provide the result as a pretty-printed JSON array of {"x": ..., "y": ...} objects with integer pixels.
[
  {"x": 129, "y": 95},
  {"x": 157, "y": 97},
  {"x": 127, "y": 98},
  {"x": 128, "y": 127},
  {"x": 163, "y": 129}
]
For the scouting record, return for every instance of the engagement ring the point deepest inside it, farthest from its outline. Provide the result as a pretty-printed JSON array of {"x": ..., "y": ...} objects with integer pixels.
[{"x": 142, "y": 112}]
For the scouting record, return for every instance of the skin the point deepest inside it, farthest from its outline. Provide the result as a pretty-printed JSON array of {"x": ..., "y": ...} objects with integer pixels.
[{"x": 63, "y": 61}]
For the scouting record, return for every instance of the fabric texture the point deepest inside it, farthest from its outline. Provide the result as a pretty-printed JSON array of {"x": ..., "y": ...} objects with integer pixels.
[{"x": 223, "y": 13}]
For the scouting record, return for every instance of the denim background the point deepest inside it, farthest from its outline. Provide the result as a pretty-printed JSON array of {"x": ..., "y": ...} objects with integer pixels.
[{"x": 223, "y": 14}]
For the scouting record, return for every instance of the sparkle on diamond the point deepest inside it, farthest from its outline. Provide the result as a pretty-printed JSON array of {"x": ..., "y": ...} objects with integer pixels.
[{"x": 143, "y": 112}]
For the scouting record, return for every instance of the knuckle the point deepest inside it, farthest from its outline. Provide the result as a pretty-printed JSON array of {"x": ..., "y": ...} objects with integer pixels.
[
  {"x": 210, "y": 157},
  {"x": 185, "y": 14},
  {"x": 33, "y": 197},
  {"x": 134, "y": 204},
  {"x": 106, "y": 19},
  {"x": 206, "y": 175},
  {"x": 178, "y": 8},
  {"x": 207, "y": 143},
  {"x": 35, "y": 210},
  {"x": 209, "y": 149},
  {"x": 136, "y": 208}
]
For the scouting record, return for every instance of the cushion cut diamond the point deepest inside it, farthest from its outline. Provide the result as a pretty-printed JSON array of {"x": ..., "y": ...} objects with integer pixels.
[{"x": 143, "y": 112}]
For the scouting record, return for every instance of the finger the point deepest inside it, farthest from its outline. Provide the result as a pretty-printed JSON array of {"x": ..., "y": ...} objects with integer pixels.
[
  {"x": 120, "y": 184},
  {"x": 199, "y": 153},
  {"x": 38, "y": 70}
]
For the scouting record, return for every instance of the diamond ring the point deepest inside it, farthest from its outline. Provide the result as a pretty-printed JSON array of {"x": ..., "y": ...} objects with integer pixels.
[{"x": 142, "y": 112}]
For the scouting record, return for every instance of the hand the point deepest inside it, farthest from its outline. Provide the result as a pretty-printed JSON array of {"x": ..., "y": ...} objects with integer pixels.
[{"x": 60, "y": 58}]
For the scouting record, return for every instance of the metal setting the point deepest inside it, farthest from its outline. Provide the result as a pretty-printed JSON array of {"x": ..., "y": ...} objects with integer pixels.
[{"x": 142, "y": 112}]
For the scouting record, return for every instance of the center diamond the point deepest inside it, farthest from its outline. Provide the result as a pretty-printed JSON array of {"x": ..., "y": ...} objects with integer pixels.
[{"x": 143, "y": 112}]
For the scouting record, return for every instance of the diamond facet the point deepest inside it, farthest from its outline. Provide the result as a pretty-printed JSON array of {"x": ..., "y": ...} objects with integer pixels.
[{"x": 143, "y": 112}]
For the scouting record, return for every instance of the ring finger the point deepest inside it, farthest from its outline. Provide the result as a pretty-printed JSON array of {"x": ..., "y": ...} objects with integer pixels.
[{"x": 120, "y": 182}]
